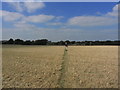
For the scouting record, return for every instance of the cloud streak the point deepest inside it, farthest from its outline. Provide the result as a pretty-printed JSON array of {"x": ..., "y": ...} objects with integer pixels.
[
  {"x": 14, "y": 16},
  {"x": 29, "y": 7},
  {"x": 39, "y": 18},
  {"x": 84, "y": 21},
  {"x": 11, "y": 16}
]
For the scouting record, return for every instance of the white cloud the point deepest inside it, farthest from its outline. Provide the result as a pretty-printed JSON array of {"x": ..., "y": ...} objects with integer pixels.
[
  {"x": 91, "y": 21},
  {"x": 10, "y": 16},
  {"x": 24, "y": 26},
  {"x": 27, "y": 6},
  {"x": 13, "y": 16},
  {"x": 115, "y": 8},
  {"x": 59, "y": 18},
  {"x": 20, "y": 19},
  {"x": 18, "y": 6},
  {"x": 60, "y": 33},
  {"x": 33, "y": 6},
  {"x": 113, "y": 14},
  {"x": 39, "y": 18},
  {"x": 104, "y": 20},
  {"x": 55, "y": 23},
  {"x": 114, "y": 11}
]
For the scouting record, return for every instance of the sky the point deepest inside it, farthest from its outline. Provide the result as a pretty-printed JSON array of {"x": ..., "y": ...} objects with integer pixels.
[{"x": 57, "y": 21}]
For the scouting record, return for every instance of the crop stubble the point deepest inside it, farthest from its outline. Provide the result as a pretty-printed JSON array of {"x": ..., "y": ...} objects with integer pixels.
[
  {"x": 92, "y": 67},
  {"x": 52, "y": 67},
  {"x": 31, "y": 66}
]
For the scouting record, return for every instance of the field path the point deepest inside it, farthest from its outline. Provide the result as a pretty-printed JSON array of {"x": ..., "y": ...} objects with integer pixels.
[{"x": 61, "y": 80}]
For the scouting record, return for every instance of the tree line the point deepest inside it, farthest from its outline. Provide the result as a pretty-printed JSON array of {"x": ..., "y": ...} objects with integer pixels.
[{"x": 46, "y": 42}]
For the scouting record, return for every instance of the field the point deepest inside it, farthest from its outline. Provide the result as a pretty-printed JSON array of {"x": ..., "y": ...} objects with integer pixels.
[{"x": 53, "y": 67}]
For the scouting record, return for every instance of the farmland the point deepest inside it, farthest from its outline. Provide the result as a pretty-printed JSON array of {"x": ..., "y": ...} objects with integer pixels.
[{"x": 53, "y": 67}]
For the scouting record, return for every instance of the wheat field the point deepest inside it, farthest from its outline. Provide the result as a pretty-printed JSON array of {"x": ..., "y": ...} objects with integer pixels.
[{"x": 53, "y": 67}]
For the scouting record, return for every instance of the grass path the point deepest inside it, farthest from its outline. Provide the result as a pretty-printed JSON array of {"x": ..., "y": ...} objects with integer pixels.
[{"x": 61, "y": 80}]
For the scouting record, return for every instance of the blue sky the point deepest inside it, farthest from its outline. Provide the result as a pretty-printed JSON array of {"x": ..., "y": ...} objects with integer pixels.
[{"x": 60, "y": 20}]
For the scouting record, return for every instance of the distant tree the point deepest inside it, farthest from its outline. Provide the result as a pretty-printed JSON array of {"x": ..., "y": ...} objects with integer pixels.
[
  {"x": 44, "y": 41},
  {"x": 37, "y": 42},
  {"x": 4, "y": 42},
  {"x": 61, "y": 43},
  {"x": 18, "y": 41},
  {"x": 10, "y": 41},
  {"x": 73, "y": 42},
  {"x": 96, "y": 42},
  {"x": 49, "y": 43},
  {"x": 32, "y": 42},
  {"x": 68, "y": 42},
  {"x": 41, "y": 42},
  {"x": 27, "y": 42}
]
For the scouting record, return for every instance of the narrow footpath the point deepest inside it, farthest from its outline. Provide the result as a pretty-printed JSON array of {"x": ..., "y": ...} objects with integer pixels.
[{"x": 61, "y": 80}]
